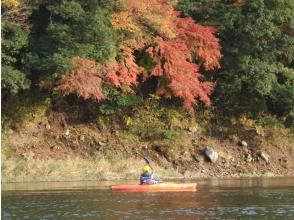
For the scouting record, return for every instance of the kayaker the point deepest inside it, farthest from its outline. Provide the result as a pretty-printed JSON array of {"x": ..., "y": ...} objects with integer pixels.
[{"x": 147, "y": 177}]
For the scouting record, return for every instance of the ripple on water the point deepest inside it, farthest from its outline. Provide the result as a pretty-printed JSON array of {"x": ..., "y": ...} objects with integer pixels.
[{"x": 240, "y": 203}]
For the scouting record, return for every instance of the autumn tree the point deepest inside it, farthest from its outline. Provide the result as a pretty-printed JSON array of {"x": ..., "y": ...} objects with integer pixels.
[
  {"x": 84, "y": 80},
  {"x": 174, "y": 62},
  {"x": 178, "y": 47},
  {"x": 175, "y": 44}
]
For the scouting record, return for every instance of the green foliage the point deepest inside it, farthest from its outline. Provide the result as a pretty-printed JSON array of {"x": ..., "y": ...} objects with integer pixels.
[
  {"x": 65, "y": 29},
  {"x": 22, "y": 108},
  {"x": 163, "y": 127},
  {"x": 282, "y": 99},
  {"x": 7, "y": 149},
  {"x": 173, "y": 141},
  {"x": 13, "y": 80},
  {"x": 118, "y": 102},
  {"x": 290, "y": 120},
  {"x": 257, "y": 66},
  {"x": 14, "y": 43}
]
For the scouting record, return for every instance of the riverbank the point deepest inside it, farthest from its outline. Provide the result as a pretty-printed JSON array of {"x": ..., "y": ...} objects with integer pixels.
[{"x": 54, "y": 148}]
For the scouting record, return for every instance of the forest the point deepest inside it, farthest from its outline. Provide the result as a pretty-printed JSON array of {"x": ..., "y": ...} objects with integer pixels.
[{"x": 224, "y": 63}]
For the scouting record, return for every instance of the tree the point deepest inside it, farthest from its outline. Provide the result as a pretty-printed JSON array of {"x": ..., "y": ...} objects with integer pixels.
[
  {"x": 174, "y": 62},
  {"x": 85, "y": 80},
  {"x": 66, "y": 29},
  {"x": 257, "y": 66},
  {"x": 15, "y": 31},
  {"x": 172, "y": 42}
]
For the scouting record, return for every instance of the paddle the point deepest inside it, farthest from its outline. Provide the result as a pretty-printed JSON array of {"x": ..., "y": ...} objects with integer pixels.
[{"x": 147, "y": 161}]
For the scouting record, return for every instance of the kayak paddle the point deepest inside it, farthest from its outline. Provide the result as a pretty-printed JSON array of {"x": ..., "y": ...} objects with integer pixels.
[{"x": 147, "y": 161}]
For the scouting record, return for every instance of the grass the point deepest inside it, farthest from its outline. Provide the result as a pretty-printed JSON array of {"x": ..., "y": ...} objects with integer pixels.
[
  {"x": 100, "y": 167},
  {"x": 267, "y": 174}
]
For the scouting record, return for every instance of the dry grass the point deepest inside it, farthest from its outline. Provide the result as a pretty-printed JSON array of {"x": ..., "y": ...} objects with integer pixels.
[{"x": 74, "y": 169}]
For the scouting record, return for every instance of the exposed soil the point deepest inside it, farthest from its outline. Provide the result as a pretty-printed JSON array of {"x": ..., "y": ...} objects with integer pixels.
[{"x": 58, "y": 137}]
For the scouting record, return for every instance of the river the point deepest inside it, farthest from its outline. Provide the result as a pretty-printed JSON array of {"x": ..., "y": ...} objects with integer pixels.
[{"x": 237, "y": 198}]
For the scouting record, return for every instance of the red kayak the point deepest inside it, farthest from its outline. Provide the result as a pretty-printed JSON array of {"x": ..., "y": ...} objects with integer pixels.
[{"x": 161, "y": 187}]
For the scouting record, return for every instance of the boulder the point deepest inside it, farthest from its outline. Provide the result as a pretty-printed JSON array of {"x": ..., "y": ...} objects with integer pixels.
[{"x": 210, "y": 154}]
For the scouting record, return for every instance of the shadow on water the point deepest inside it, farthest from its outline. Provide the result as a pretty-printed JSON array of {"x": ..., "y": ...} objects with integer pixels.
[{"x": 240, "y": 198}]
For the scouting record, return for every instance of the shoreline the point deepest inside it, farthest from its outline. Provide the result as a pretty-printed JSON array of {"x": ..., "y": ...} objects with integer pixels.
[
  {"x": 83, "y": 151},
  {"x": 102, "y": 169}
]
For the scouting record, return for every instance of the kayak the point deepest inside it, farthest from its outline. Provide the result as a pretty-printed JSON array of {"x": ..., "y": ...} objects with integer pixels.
[{"x": 161, "y": 187}]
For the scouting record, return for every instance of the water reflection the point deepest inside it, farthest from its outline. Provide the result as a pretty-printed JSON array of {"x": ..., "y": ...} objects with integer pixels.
[{"x": 267, "y": 198}]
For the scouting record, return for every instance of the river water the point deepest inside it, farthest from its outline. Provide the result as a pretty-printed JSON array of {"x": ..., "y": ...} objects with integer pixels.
[{"x": 240, "y": 198}]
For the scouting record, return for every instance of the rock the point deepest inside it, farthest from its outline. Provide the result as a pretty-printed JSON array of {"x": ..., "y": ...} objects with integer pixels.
[
  {"x": 82, "y": 137},
  {"x": 245, "y": 149},
  {"x": 283, "y": 162},
  {"x": 248, "y": 157},
  {"x": 243, "y": 143},
  {"x": 67, "y": 132},
  {"x": 48, "y": 127},
  {"x": 10, "y": 131},
  {"x": 211, "y": 154},
  {"x": 115, "y": 132},
  {"x": 192, "y": 129},
  {"x": 263, "y": 156},
  {"x": 56, "y": 147},
  {"x": 101, "y": 144}
]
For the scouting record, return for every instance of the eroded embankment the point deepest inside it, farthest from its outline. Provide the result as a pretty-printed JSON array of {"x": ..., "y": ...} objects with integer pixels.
[{"x": 54, "y": 149}]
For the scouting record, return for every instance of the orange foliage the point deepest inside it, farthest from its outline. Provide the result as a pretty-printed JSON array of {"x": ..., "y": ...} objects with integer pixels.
[
  {"x": 145, "y": 17},
  {"x": 180, "y": 74},
  {"x": 124, "y": 73},
  {"x": 85, "y": 80},
  {"x": 200, "y": 41},
  {"x": 174, "y": 62},
  {"x": 171, "y": 41}
]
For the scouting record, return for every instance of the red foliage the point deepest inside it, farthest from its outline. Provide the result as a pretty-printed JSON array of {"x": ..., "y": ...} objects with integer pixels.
[
  {"x": 177, "y": 43},
  {"x": 125, "y": 73},
  {"x": 85, "y": 81},
  {"x": 88, "y": 77},
  {"x": 200, "y": 41},
  {"x": 181, "y": 76}
]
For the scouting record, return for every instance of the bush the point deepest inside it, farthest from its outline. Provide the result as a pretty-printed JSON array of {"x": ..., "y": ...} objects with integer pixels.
[
  {"x": 22, "y": 108},
  {"x": 159, "y": 125}
]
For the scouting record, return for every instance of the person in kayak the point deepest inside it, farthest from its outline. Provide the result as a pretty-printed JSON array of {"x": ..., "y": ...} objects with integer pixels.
[{"x": 147, "y": 177}]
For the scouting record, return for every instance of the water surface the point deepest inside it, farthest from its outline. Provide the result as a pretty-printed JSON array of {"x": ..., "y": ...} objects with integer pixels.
[{"x": 243, "y": 198}]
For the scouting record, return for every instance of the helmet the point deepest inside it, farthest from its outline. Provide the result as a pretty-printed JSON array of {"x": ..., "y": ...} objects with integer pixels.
[{"x": 146, "y": 169}]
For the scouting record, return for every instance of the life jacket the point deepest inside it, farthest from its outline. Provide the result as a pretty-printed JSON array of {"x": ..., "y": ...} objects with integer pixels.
[{"x": 147, "y": 179}]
